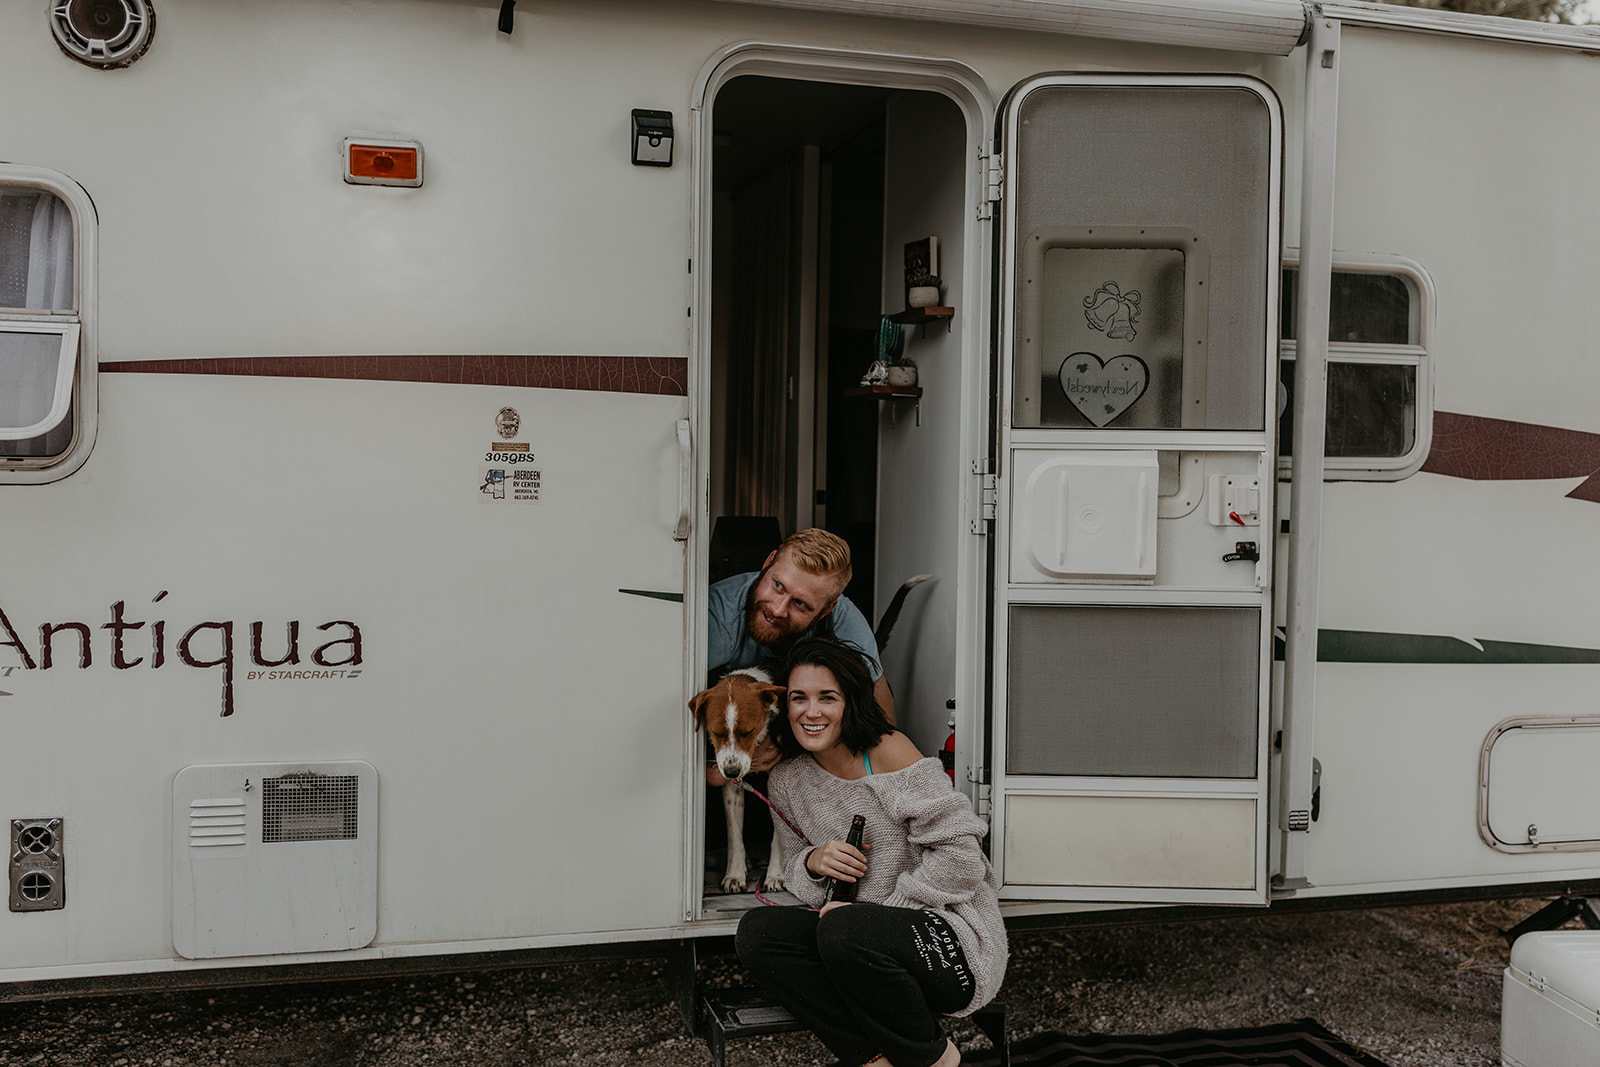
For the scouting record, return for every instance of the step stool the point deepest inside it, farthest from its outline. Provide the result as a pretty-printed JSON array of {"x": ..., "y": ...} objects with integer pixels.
[{"x": 736, "y": 1013}]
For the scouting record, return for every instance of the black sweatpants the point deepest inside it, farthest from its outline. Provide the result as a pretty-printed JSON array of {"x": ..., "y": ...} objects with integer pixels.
[{"x": 867, "y": 979}]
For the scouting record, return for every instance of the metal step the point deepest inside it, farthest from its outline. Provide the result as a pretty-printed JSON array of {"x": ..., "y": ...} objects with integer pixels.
[{"x": 735, "y": 1013}]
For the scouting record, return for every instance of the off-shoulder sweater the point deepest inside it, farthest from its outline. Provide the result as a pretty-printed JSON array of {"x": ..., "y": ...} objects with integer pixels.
[{"x": 924, "y": 852}]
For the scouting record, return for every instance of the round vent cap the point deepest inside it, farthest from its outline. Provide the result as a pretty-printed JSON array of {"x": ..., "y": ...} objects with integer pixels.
[
  {"x": 103, "y": 33},
  {"x": 35, "y": 840},
  {"x": 35, "y": 886}
]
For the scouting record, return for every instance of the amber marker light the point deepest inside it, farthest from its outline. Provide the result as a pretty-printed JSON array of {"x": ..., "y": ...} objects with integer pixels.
[{"x": 371, "y": 162}]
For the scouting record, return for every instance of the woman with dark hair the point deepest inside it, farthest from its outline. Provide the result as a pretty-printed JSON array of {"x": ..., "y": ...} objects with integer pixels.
[{"x": 923, "y": 937}]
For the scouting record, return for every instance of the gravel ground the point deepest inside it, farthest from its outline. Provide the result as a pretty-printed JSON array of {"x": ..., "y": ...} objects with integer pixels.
[{"x": 1418, "y": 987}]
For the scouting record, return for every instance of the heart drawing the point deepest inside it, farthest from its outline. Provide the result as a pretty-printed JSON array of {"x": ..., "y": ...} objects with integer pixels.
[{"x": 1103, "y": 389}]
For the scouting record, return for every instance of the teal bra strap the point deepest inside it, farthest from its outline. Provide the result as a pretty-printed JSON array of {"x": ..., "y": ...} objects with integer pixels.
[{"x": 866, "y": 757}]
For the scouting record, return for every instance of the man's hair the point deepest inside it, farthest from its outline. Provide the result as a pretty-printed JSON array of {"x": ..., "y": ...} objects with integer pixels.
[
  {"x": 863, "y": 723},
  {"x": 821, "y": 553}
]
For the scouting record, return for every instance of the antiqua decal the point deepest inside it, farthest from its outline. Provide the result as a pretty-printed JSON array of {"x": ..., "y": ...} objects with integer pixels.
[{"x": 203, "y": 646}]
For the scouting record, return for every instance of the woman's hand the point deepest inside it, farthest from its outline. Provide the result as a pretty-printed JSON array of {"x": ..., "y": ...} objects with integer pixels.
[
  {"x": 765, "y": 757},
  {"x": 836, "y": 859}
]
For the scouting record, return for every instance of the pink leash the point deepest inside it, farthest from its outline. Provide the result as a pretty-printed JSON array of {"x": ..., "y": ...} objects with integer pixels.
[{"x": 748, "y": 788}]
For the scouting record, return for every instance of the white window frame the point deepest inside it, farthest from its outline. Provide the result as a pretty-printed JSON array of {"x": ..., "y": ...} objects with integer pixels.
[
  {"x": 79, "y": 319},
  {"x": 1380, "y": 468}
]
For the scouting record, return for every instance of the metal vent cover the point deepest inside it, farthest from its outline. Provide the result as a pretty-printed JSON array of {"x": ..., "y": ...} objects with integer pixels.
[
  {"x": 38, "y": 865},
  {"x": 103, "y": 33},
  {"x": 310, "y": 807}
]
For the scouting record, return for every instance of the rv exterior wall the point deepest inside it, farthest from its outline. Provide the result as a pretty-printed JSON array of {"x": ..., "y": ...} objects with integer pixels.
[
  {"x": 523, "y": 666},
  {"x": 1486, "y": 223}
]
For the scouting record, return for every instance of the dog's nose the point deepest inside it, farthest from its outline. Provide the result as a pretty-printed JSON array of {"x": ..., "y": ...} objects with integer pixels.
[{"x": 732, "y": 770}]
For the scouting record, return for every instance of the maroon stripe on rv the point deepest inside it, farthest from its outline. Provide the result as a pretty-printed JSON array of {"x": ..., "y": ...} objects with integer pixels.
[
  {"x": 655, "y": 375},
  {"x": 1482, "y": 449}
]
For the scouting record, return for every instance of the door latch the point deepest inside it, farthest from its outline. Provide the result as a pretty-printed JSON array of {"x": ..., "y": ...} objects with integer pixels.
[{"x": 1243, "y": 550}]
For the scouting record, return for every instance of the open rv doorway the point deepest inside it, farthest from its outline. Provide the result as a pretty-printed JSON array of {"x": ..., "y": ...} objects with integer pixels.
[
  {"x": 810, "y": 210},
  {"x": 797, "y": 178}
]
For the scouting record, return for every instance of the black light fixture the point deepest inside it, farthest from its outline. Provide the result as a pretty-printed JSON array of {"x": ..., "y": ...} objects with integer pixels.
[{"x": 652, "y": 138}]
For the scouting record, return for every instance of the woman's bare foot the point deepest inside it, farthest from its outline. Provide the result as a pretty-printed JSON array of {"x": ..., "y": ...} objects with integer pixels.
[{"x": 951, "y": 1057}]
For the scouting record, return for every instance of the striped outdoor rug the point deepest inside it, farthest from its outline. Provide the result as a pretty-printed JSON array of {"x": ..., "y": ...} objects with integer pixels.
[{"x": 1302, "y": 1043}]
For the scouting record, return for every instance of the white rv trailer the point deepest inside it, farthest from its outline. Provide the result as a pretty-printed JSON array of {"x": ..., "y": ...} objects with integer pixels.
[{"x": 373, "y": 387}]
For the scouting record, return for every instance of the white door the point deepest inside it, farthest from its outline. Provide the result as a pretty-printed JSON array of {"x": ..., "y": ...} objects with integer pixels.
[{"x": 1140, "y": 229}]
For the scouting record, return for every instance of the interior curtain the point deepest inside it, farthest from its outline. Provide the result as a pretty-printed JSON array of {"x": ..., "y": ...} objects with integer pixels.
[
  {"x": 35, "y": 250},
  {"x": 758, "y": 359},
  {"x": 36, "y": 273}
]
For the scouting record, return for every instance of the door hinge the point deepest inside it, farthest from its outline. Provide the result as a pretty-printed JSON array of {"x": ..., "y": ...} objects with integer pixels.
[
  {"x": 994, "y": 179},
  {"x": 988, "y": 496}
]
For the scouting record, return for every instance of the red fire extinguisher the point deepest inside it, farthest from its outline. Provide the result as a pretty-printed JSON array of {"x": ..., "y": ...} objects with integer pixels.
[{"x": 948, "y": 756}]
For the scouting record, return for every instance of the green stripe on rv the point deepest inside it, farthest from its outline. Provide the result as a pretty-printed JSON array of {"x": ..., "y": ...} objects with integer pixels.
[
  {"x": 676, "y": 598},
  {"x": 1367, "y": 646}
]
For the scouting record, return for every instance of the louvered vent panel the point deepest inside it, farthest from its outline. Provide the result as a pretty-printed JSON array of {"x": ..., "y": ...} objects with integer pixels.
[
  {"x": 217, "y": 821},
  {"x": 303, "y": 875},
  {"x": 309, "y": 807}
]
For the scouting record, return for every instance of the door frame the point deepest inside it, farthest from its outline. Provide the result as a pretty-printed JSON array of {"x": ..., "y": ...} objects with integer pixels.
[{"x": 968, "y": 90}]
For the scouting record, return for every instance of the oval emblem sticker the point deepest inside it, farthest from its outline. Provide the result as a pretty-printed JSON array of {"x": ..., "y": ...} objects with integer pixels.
[{"x": 508, "y": 422}]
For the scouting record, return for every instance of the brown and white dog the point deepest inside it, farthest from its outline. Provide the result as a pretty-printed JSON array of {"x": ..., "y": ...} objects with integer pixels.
[{"x": 737, "y": 713}]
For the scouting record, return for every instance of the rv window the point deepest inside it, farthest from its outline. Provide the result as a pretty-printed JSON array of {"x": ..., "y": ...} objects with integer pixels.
[
  {"x": 1377, "y": 369},
  {"x": 40, "y": 325}
]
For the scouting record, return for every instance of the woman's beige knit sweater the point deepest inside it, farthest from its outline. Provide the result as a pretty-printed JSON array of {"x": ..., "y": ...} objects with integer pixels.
[{"x": 923, "y": 851}]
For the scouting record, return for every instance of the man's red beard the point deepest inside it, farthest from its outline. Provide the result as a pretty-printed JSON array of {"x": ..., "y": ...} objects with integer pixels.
[{"x": 756, "y": 625}]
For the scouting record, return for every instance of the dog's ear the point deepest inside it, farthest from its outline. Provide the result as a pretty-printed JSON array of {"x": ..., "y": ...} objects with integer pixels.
[
  {"x": 697, "y": 708},
  {"x": 771, "y": 697}
]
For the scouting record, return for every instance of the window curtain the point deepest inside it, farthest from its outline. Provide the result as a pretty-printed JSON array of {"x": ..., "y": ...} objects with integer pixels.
[
  {"x": 35, "y": 251},
  {"x": 35, "y": 274},
  {"x": 758, "y": 363}
]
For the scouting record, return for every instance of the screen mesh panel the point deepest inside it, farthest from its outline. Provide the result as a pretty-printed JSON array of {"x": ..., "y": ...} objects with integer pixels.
[
  {"x": 28, "y": 366},
  {"x": 1184, "y": 158},
  {"x": 1158, "y": 692},
  {"x": 309, "y": 807}
]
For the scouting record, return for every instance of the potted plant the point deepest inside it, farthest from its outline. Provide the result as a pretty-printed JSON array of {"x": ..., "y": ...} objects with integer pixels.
[
  {"x": 903, "y": 372},
  {"x": 924, "y": 290}
]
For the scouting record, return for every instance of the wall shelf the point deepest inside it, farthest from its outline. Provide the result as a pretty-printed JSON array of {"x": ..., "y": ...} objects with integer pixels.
[
  {"x": 910, "y": 391},
  {"x": 891, "y": 392},
  {"x": 923, "y": 316}
]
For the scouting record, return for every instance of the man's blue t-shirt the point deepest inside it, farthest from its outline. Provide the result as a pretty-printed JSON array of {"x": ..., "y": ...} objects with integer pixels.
[{"x": 732, "y": 647}]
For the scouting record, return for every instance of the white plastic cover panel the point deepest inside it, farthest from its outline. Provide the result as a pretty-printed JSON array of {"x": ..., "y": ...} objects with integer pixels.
[
  {"x": 1165, "y": 841},
  {"x": 271, "y": 858},
  {"x": 1084, "y": 515}
]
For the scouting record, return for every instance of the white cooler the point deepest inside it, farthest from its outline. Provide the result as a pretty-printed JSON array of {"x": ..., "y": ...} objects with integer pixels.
[{"x": 1550, "y": 1007}]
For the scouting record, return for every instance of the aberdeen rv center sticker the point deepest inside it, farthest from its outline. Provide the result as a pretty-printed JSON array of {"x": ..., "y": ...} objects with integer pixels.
[{"x": 506, "y": 474}]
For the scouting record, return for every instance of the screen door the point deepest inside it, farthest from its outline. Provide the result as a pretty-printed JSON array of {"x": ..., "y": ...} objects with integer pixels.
[{"x": 1132, "y": 597}]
